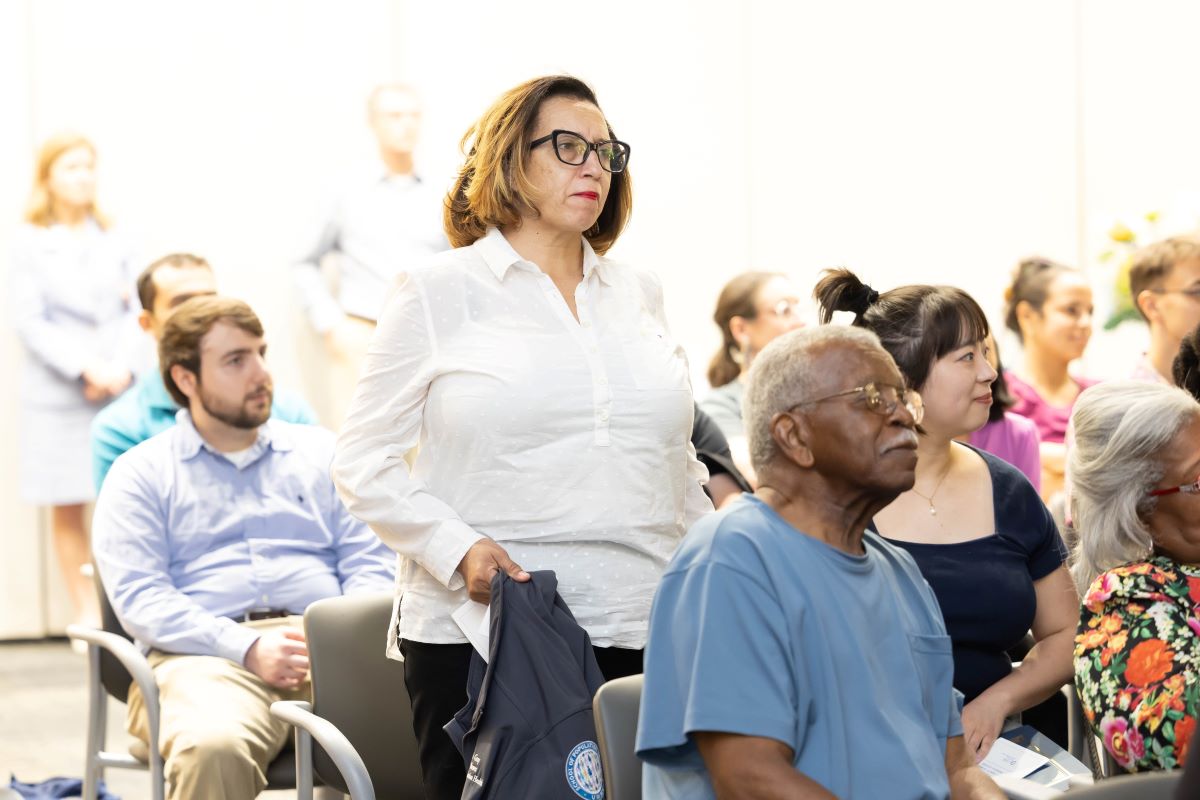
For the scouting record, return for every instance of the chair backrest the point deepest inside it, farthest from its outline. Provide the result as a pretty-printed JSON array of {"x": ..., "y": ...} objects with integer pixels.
[
  {"x": 361, "y": 691},
  {"x": 1148, "y": 786},
  {"x": 113, "y": 675},
  {"x": 616, "y": 707}
]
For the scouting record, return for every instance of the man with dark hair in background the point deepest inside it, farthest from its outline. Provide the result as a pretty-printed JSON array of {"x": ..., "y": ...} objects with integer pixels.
[{"x": 147, "y": 409}]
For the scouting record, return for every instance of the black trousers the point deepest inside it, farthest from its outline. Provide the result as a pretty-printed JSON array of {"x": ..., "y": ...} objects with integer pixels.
[{"x": 436, "y": 678}]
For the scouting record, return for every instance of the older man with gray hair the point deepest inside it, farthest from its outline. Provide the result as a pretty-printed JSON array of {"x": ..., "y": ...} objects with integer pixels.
[{"x": 792, "y": 653}]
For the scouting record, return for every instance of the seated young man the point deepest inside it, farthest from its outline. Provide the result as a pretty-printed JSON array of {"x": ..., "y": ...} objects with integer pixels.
[
  {"x": 1165, "y": 284},
  {"x": 210, "y": 538},
  {"x": 792, "y": 653},
  {"x": 146, "y": 409}
]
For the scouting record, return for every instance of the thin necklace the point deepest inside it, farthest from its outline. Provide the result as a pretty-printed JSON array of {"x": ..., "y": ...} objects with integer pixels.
[{"x": 929, "y": 498}]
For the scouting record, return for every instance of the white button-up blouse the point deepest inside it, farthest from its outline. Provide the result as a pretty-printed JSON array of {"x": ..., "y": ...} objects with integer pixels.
[{"x": 566, "y": 441}]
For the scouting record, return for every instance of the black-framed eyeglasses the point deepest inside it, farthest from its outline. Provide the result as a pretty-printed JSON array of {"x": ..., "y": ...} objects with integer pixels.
[
  {"x": 882, "y": 399},
  {"x": 573, "y": 149}
]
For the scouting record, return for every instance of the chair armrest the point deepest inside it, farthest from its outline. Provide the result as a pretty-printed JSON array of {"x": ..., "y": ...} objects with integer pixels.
[
  {"x": 130, "y": 657},
  {"x": 1020, "y": 789},
  {"x": 347, "y": 759}
]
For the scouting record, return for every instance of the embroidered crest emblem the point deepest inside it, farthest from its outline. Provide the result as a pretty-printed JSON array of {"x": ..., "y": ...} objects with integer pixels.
[{"x": 585, "y": 776}]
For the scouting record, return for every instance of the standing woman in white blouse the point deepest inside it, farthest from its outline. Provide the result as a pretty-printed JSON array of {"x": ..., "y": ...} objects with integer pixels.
[
  {"x": 74, "y": 309},
  {"x": 552, "y": 407}
]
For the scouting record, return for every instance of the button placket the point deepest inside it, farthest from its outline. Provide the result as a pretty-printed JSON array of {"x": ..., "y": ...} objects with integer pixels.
[{"x": 601, "y": 393}]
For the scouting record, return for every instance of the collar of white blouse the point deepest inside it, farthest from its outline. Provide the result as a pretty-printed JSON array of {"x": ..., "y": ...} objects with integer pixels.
[{"x": 500, "y": 257}]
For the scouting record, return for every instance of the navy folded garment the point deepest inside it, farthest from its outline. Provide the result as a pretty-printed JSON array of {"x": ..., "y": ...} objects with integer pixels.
[
  {"x": 527, "y": 728},
  {"x": 54, "y": 788}
]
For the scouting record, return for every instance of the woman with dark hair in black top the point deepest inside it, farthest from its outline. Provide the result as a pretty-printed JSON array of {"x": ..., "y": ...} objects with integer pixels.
[
  {"x": 973, "y": 523},
  {"x": 1009, "y": 436}
]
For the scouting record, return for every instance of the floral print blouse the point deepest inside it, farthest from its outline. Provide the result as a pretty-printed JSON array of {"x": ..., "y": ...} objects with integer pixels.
[{"x": 1137, "y": 662}]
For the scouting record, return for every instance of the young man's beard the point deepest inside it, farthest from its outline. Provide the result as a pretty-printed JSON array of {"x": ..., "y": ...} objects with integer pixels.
[{"x": 241, "y": 417}]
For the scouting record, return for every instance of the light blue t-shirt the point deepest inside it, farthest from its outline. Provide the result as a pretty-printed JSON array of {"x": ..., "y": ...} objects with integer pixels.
[{"x": 760, "y": 630}]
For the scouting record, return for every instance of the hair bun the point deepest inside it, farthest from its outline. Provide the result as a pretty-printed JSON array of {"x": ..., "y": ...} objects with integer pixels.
[{"x": 863, "y": 298}]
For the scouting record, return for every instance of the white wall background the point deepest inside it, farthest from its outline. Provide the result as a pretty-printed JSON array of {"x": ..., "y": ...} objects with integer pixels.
[{"x": 931, "y": 141}]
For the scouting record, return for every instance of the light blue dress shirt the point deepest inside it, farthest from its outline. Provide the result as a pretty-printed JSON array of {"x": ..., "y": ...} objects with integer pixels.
[
  {"x": 184, "y": 539},
  {"x": 147, "y": 410},
  {"x": 759, "y": 630}
]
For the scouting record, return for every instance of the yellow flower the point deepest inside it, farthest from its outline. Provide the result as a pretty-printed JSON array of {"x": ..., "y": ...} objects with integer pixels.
[
  {"x": 1151, "y": 714},
  {"x": 1110, "y": 623},
  {"x": 1120, "y": 233},
  {"x": 1152, "y": 216}
]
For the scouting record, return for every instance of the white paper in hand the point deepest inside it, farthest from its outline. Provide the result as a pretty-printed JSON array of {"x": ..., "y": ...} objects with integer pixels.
[
  {"x": 1009, "y": 758},
  {"x": 475, "y": 621}
]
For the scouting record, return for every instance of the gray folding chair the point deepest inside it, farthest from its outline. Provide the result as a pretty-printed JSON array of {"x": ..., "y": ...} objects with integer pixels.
[
  {"x": 616, "y": 708},
  {"x": 114, "y": 664},
  {"x": 360, "y": 715}
]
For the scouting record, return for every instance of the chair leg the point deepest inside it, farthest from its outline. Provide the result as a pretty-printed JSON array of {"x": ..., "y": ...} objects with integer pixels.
[
  {"x": 304, "y": 767},
  {"x": 97, "y": 726}
]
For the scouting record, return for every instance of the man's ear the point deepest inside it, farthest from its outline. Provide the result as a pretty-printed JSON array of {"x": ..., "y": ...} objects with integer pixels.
[
  {"x": 185, "y": 379},
  {"x": 793, "y": 437},
  {"x": 1147, "y": 302},
  {"x": 145, "y": 321}
]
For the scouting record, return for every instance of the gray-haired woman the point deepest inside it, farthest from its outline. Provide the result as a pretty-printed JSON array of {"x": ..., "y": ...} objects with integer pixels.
[{"x": 1136, "y": 500}]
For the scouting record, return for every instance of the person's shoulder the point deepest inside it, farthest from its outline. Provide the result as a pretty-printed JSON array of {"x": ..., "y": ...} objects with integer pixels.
[
  {"x": 148, "y": 460},
  {"x": 303, "y": 436},
  {"x": 1138, "y": 580},
  {"x": 1020, "y": 427},
  {"x": 291, "y": 406},
  {"x": 447, "y": 267},
  {"x": 1005, "y": 477},
  {"x": 122, "y": 417},
  {"x": 28, "y": 239},
  {"x": 737, "y": 537},
  {"x": 892, "y": 557}
]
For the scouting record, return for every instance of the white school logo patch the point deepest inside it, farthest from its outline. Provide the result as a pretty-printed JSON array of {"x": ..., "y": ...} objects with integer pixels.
[{"x": 584, "y": 773}]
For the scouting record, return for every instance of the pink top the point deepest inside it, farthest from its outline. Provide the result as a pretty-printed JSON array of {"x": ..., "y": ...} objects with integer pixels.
[
  {"x": 1013, "y": 439},
  {"x": 1051, "y": 420},
  {"x": 1143, "y": 370}
]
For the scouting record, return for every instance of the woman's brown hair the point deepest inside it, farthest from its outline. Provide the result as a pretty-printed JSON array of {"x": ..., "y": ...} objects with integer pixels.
[
  {"x": 1030, "y": 284},
  {"x": 493, "y": 187},
  {"x": 917, "y": 324},
  {"x": 738, "y": 299},
  {"x": 40, "y": 209}
]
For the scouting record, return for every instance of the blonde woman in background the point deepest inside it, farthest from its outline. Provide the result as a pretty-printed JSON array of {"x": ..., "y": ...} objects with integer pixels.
[
  {"x": 74, "y": 310},
  {"x": 752, "y": 309}
]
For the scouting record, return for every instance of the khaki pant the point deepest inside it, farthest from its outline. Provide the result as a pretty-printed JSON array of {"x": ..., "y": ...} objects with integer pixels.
[{"x": 216, "y": 733}]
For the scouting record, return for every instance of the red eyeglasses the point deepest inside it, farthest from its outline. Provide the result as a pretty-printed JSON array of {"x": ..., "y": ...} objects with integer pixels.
[{"x": 1187, "y": 488}]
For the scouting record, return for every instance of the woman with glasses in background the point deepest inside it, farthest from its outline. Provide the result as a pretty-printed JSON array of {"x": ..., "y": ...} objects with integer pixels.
[
  {"x": 752, "y": 310},
  {"x": 973, "y": 523},
  {"x": 551, "y": 405},
  {"x": 1134, "y": 500}
]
